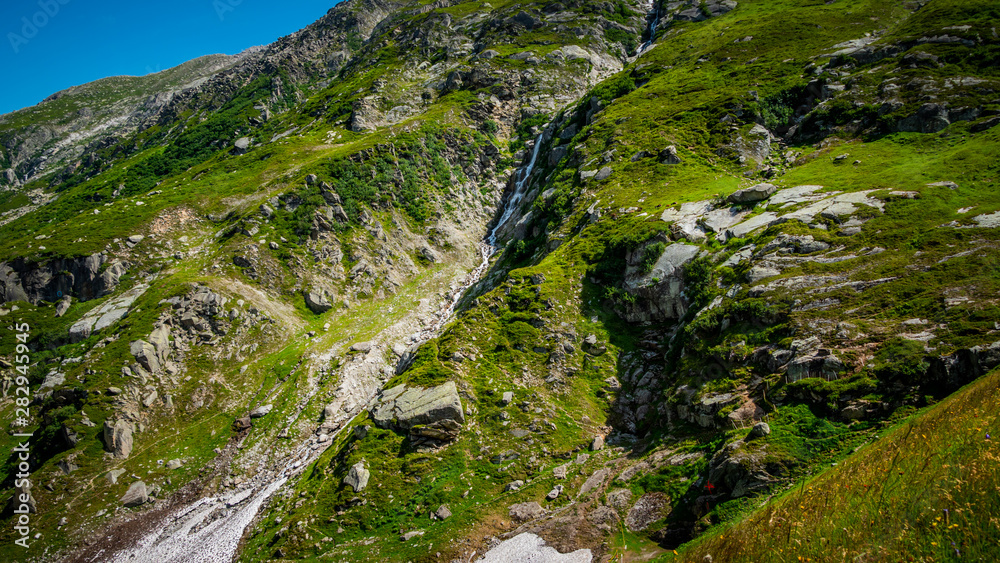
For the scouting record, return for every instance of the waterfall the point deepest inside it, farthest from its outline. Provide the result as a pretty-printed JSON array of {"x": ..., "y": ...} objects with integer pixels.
[
  {"x": 489, "y": 245},
  {"x": 655, "y": 8},
  {"x": 515, "y": 198}
]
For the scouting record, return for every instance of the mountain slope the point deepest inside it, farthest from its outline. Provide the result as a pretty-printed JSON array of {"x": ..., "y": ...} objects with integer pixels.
[{"x": 424, "y": 277}]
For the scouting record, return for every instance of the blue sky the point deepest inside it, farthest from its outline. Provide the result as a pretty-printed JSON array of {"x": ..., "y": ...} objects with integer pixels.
[{"x": 49, "y": 45}]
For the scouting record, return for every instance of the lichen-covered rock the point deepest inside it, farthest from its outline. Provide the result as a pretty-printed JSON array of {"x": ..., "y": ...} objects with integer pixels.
[
  {"x": 526, "y": 511},
  {"x": 317, "y": 301},
  {"x": 658, "y": 290},
  {"x": 648, "y": 509}
]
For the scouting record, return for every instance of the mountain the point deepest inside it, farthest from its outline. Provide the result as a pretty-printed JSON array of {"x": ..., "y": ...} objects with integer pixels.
[{"x": 578, "y": 280}]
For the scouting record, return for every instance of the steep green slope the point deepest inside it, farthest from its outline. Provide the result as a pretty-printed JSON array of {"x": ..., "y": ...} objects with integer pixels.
[{"x": 926, "y": 490}]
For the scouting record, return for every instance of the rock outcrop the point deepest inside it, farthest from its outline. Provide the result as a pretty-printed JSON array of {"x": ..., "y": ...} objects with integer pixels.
[{"x": 118, "y": 437}]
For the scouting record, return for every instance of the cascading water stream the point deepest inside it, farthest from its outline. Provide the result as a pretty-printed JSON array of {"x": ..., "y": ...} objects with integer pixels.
[
  {"x": 655, "y": 9},
  {"x": 489, "y": 245}
]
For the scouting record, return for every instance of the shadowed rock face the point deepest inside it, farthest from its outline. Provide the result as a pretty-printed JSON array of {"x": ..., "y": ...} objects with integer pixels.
[{"x": 21, "y": 280}]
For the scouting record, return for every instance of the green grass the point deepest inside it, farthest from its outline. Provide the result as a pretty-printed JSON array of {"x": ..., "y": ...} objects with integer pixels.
[{"x": 925, "y": 490}]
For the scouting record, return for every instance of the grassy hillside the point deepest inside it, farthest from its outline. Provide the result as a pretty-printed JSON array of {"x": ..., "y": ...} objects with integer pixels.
[{"x": 926, "y": 490}]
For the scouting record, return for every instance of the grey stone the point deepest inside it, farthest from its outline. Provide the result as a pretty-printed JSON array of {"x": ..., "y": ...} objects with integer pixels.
[
  {"x": 317, "y": 301},
  {"x": 174, "y": 464},
  {"x": 404, "y": 407},
  {"x": 761, "y": 272},
  {"x": 648, "y": 509},
  {"x": 507, "y": 398},
  {"x": 526, "y": 511},
  {"x": 753, "y": 194},
  {"x": 357, "y": 477},
  {"x": 261, "y": 411},
  {"x": 603, "y": 174},
  {"x": 63, "y": 306},
  {"x": 560, "y": 471},
  {"x": 759, "y": 430},
  {"x": 113, "y": 475},
  {"x": 593, "y": 481},
  {"x": 669, "y": 155},
  {"x": 136, "y": 495},
  {"x": 150, "y": 399},
  {"x": 118, "y": 437},
  {"x": 597, "y": 444},
  {"x": 363, "y": 347},
  {"x": 554, "y": 493},
  {"x": 752, "y": 224},
  {"x": 513, "y": 486},
  {"x": 443, "y": 512},
  {"x": 410, "y": 535},
  {"x": 145, "y": 354}
]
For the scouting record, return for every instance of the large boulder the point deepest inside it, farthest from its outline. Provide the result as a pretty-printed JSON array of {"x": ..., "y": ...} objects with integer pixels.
[
  {"x": 432, "y": 416},
  {"x": 740, "y": 468},
  {"x": 753, "y": 194},
  {"x": 160, "y": 339},
  {"x": 357, "y": 477},
  {"x": 658, "y": 289},
  {"x": 526, "y": 511},
  {"x": 317, "y": 301},
  {"x": 118, "y": 438},
  {"x": 136, "y": 495},
  {"x": 145, "y": 354}
]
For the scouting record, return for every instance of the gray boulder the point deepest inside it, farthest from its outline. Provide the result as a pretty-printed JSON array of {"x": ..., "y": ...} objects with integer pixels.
[
  {"x": 669, "y": 155},
  {"x": 261, "y": 411},
  {"x": 136, "y": 495},
  {"x": 145, "y": 354},
  {"x": 317, "y": 301},
  {"x": 241, "y": 145},
  {"x": 526, "y": 511},
  {"x": 753, "y": 194},
  {"x": 759, "y": 430},
  {"x": 648, "y": 509},
  {"x": 597, "y": 444},
  {"x": 118, "y": 438},
  {"x": 357, "y": 477},
  {"x": 63, "y": 306},
  {"x": 432, "y": 415}
]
